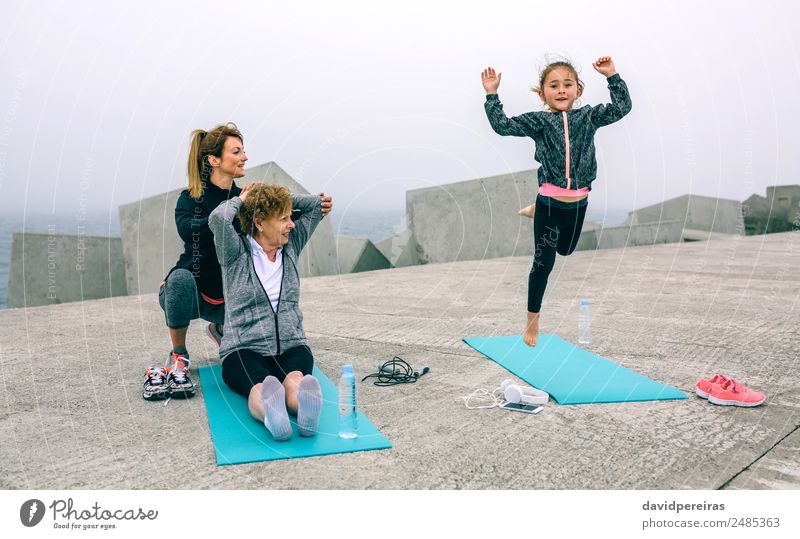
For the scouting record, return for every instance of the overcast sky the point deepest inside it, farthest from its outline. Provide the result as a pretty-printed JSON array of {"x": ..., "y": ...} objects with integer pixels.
[{"x": 366, "y": 100}]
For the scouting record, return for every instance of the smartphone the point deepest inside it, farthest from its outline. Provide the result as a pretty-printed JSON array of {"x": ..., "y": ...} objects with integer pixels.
[{"x": 526, "y": 408}]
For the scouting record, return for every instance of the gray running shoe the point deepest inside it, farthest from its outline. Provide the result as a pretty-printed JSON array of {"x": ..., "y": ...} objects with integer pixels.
[
  {"x": 155, "y": 384},
  {"x": 178, "y": 380}
]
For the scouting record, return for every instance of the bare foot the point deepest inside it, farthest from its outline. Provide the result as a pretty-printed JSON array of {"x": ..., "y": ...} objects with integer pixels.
[
  {"x": 531, "y": 336},
  {"x": 527, "y": 212}
]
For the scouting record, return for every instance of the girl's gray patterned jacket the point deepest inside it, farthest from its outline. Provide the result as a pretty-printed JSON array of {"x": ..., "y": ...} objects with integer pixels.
[
  {"x": 564, "y": 140},
  {"x": 250, "y": 321}
]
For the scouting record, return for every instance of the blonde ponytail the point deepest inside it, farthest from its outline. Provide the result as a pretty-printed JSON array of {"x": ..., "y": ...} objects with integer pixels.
[{"x": 195, "y": 164}]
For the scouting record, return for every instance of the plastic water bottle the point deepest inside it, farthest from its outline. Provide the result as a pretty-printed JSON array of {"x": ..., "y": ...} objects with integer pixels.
[
  {"x": 348, "y": 418},
  {"x": 584, "y": 323}
]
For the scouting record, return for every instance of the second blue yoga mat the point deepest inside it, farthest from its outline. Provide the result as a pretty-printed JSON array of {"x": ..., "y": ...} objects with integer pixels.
[
  {"x": 571, "y": 375},
  {"x": 238, "y": 438}
]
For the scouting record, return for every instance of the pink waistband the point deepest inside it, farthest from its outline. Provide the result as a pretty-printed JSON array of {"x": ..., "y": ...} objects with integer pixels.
[
  {"x": 549, "y": 190},
  {"x": 212, "y": 301}
]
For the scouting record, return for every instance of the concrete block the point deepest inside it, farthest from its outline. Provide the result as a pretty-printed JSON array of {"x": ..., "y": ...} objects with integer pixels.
[
  {"x": 778, "y": 212},
  {"x": 643, "y": 234},
  {"x": 756, "y": 205},
  {"x": 473, "y": 220},
  {"x": 56, "y": 268},
  {"x": 359, "y": 254},
  {"x": 696, "y": 212},
  {"x": 588, "y": 240},
  {"x": 151, "y": 245},
  {"x": 400, "y": 249},
  {"x": 150, "y": 241},
  {"x": 784, "y": 200}
]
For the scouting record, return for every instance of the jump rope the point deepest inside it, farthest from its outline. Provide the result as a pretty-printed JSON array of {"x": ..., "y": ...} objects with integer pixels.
[{"x": 396, "y": 371}]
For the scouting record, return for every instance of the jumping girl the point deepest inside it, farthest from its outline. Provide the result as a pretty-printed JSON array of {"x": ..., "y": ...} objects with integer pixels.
[{"x": 564, "y": 140}]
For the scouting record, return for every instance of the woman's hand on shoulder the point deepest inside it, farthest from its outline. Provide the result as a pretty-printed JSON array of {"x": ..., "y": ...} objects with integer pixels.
[
  {"x": 327, "y": 204},
  {"x": 605, "y": 66},
  {"x": 490, "y": 80}
]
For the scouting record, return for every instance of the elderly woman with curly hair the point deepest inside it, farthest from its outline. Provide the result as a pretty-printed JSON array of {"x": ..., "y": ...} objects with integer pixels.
[{"x": 264, "y": 349}]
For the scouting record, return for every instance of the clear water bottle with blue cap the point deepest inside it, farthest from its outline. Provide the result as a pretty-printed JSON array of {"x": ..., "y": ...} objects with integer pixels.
[
  {"x": 584, "y": 323},
  {"x": 348, "y": 418}
]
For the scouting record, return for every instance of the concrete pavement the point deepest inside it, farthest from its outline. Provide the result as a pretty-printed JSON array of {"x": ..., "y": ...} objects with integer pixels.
[{"x": 72, "y": 416}]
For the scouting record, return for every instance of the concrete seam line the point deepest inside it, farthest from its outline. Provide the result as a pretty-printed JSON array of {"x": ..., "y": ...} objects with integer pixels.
[{"x": 726, "y": 483}]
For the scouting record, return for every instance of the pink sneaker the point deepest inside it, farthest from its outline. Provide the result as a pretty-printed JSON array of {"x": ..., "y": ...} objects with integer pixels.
[
  {"x": 732, "y": 393},
  {"x": 704, "y": 384}
]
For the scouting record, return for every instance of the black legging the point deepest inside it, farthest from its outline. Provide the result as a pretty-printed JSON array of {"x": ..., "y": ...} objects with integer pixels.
[{"x": 556, "y": 229}]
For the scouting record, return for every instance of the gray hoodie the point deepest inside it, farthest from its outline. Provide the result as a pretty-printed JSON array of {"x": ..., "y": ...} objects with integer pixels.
[{"x": 250, "y": 321}]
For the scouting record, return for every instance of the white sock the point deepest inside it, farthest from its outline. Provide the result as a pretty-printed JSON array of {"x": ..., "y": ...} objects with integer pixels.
[
  {"x": 276, "y": 418},
  {"x": 309, "y": 408}
]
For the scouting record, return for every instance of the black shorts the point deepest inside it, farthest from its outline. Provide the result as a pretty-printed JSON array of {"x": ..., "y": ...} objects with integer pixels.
[{"x": 243, "y": 369}]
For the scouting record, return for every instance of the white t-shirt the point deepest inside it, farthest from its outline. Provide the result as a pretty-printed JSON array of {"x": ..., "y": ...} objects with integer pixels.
[{"x": 269, "y": 273}]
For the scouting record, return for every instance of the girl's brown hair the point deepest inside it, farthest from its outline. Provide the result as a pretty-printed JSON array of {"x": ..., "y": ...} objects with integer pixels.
[
  {"x": 264, "y": 201},
  {"x": 205, "y": 143}
]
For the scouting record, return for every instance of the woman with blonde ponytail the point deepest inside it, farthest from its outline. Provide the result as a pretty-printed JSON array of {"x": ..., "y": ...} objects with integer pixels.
[{"x": 193, "y": 288}]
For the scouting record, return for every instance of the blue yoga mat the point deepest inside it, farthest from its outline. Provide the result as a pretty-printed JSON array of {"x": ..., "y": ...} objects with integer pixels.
[
  {"x": 238, "y": 438},
  {"x": 571, "y": 375}
]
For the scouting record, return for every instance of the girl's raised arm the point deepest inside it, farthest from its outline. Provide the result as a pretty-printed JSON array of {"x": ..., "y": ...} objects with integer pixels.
[
  {"x": 620, "y": 98},
  {"x": 490, "y": 80},
  {"x": 525, "y": 125}
]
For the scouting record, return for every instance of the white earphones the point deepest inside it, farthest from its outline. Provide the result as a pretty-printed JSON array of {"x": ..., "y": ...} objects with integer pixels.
[{"x": 523, "y": 394}]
